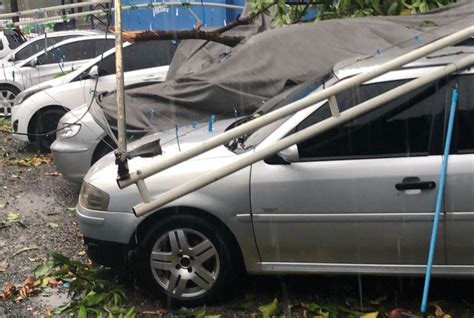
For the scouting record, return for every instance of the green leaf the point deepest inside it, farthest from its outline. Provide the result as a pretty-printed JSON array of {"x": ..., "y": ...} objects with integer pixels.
[
  {"x": 393, "y": 9},
  {"x": 312, "y": 307},
  {"x": 424, "y": 7},
  {"x": 200, "y": 313},
  {"x": 376, "y": 6},
  {"x": 82, "y": 312},
  {"x": 97, "y": 313},
  {"x": 53, "y": 225},
  {"x": 59, "y": 310},
  {"x": 43, "y": 269},
  {"x": 131, "y": 313},
  {"x": 93, "y": 298},
  {"x": 270, "y": 309},
  {"x": 428, "y": 24}
]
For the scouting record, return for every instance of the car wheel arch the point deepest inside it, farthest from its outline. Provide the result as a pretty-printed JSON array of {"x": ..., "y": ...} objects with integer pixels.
[
  {"x": 32, "y": 121},
  {"x": 146, "y": 225},
  {"x": 101, "y": 148},
  {"x": 11, "y": 86}
]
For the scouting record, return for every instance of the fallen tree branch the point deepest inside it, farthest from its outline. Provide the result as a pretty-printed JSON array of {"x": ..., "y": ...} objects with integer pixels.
[
  {"x": 197, "y": 34},
  {"x": 214, "y": 36}
]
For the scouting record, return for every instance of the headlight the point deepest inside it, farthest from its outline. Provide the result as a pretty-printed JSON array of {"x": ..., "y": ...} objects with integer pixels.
[
  {"x": 66, "y": 130},
  {"x": 27, "y": 94},
  {"x": 92, "y": 198}
]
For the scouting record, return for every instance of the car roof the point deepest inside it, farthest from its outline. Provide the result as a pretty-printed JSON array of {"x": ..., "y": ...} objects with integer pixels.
[{"x": 354, "y": 66}]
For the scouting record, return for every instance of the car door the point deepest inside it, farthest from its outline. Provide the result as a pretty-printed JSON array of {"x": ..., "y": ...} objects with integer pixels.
[
  {"x": 66, "y": 58},
  {"x": 361, "y": 193},
  {"x": 460, "y": 178}
]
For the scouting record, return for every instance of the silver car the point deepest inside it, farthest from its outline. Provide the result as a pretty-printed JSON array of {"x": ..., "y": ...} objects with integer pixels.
[{"x": 357, "y": 199}]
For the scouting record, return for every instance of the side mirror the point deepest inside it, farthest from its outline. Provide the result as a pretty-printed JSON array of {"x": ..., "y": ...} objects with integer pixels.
[
  {"x": 33, "y": 62},
  {"x": 94, "y": 71},
  {"x": 290, "y": 154}
]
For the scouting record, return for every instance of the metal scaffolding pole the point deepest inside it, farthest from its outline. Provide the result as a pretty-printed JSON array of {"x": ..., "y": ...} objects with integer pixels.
[{"x": 121, "y": 153}]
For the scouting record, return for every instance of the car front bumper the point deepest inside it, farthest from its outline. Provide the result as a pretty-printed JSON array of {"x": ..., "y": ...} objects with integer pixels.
[
  {"x": 72, "y": 159},
  {"x": 19, "y": 124},
  {"x": 116, "y": 227}
]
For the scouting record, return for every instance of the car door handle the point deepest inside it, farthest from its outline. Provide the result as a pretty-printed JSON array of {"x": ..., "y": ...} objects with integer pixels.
[{"x": 422, "y": 185}]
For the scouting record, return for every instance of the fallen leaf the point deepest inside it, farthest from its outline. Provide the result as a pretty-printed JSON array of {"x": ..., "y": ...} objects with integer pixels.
[
  {"x": 270, "y": 309},
  {"x": 3, "y": 266},
  {"x": 53, "y": 282},
  {"x": 439, "y": 311},
  {"x": 53, "y": 225},
  {"x": 81, "y": 253},
  {"x": 52, "y": 174},
  {"x": 44, "y": 282},
  {"x": 24, "y": 249},
  {"x": 370, "y": 315},
  {"x": 8, "y": 290},
  {"x": 3, "y": 205},
  {"x": 71, "y": 209},
  {"x": 12, "y": 217}
]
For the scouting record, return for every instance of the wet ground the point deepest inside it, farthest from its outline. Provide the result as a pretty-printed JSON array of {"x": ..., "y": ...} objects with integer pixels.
[{"x": 42, "y": 201}]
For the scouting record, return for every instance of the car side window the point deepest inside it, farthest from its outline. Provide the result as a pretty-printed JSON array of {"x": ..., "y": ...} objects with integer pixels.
[
  {"x": 411, "y": 125},
  {"x": 107, "y": 65},
  {"x": 148, "y": 54},
  {"x": 463, "y": 134},
  {"x": 75, "y": 51},
  {"x": 37, "y": 46},
  {"x": 140, "y": 56}
]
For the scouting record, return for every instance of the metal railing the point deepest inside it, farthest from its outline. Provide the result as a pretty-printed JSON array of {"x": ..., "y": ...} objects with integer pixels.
[{"x": 151, "y": 204}]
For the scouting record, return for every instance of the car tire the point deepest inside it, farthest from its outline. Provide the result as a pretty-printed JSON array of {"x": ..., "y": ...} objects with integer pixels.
[
  {"x": 7, "y": 96},
  {"x": 47, "y": 121},
  {"x": 188, "y": 260}
]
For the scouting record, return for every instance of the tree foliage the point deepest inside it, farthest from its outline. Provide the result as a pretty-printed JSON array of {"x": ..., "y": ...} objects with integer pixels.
[{"x": 284, "y": 13}]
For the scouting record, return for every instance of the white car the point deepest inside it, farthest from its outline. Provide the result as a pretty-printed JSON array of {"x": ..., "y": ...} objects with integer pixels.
[
  {"x": 37, "y": 44},
  {"x": 40, "y": 107},
  {"x": 10, "y": 40},
  {"x": 59, "y": 59}
]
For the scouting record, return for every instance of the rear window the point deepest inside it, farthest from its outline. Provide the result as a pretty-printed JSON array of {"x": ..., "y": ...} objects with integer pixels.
[{"x": 14, "y": 38}]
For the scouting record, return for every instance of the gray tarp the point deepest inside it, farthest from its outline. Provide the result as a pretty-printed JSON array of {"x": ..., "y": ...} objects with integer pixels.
[{"x": 210, "y": 78}]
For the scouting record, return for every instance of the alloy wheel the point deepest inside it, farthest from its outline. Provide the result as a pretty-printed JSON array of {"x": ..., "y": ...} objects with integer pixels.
[
  {"x": 6, "y": 102},
  {"x": 185, "y": 263}
]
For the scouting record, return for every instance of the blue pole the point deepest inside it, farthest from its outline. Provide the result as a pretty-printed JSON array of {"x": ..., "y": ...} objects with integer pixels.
[{"x": 439, "y": 200}]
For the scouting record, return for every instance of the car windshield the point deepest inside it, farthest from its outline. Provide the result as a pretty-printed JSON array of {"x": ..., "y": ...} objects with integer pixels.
[{"x": 289, "y": 96}]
